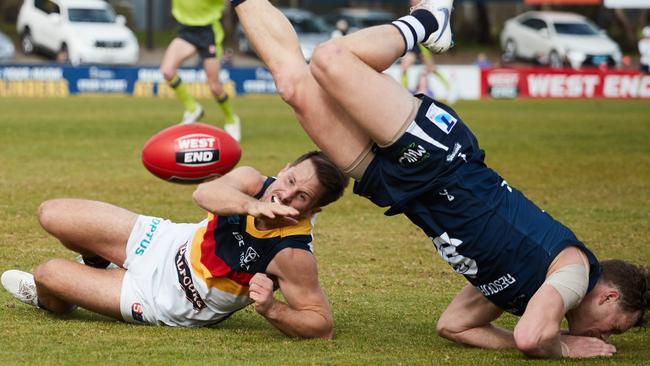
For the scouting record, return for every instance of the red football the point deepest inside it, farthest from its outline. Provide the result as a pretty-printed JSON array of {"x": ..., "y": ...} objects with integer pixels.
[{"x": 190, "y": 153}]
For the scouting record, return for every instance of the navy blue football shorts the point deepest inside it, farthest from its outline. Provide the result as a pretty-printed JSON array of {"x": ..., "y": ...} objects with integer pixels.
[{"x": 434, "y": 144}]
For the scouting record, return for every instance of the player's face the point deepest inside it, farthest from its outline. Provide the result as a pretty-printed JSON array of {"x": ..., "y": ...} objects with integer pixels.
[
  {"x": 605, "y": 320},
  {"x": 296, "y": 186}
]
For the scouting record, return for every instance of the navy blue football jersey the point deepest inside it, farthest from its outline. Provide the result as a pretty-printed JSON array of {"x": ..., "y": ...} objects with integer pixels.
[{"x": 485, "y": 229}]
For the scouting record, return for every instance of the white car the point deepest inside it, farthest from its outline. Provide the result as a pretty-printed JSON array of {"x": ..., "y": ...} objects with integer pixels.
[
  {"x": 556, "y": 39},
  {"x": 77, "y": 31}
]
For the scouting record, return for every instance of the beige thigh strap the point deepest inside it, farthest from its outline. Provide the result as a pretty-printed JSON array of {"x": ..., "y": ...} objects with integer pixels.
[
  {"x": 360, "y": 164},
  {"x": 356, "y": 169},
  {"x": 407, "y": 122}
]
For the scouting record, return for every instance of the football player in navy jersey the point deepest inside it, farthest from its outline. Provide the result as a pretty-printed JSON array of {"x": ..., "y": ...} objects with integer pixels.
[
  {"x": 417, "y": 157},
  {"x": 258, "y": 234}
]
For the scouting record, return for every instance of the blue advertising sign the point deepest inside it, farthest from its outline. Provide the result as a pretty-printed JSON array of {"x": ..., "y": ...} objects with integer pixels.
[{"x": 147, "y": 81}]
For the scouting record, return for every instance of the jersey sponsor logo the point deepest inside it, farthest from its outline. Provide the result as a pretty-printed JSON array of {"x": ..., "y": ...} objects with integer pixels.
[
  {"x": 136, "y": 312},
  {"x": 148, "y": 236},
  {"x": 185, "y": 280},
  {"x": 248, "y": 257},
  {"x": 441, "y": 118},
  {"x": 448, "y": 249},
  {"x": 496, "y": 286},
  {"x": 456, "y": 152},
  {"x": 446, "y": 194},
  {"x": 413, "y": 154},
  {"x": 239, "y": 238}
]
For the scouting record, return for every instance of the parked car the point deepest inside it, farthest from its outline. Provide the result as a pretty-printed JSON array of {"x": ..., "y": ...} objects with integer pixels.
[
  {"x": 78, "y": 31},
  {"x": 7, "y": 50},
  {"x": 359, "y": 18},
  {"x": 556, "y": 39},
  {"x": 311, "y": 29}
]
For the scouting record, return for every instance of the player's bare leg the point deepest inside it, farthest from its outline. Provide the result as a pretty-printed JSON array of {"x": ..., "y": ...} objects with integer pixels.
[
  {"x": 468, "y": 320},
  {"x": 212, "y": 67},
  {"x": 326, "y": 123},
  {"x": 232, "y": 124},
  {"x": 343, "y": 64},
  {"x": 379, "y": 105},
  {"x": 90, "y": 228},
  {"x": 176, "y": 53},
  {"x": 61, "y": 284}
]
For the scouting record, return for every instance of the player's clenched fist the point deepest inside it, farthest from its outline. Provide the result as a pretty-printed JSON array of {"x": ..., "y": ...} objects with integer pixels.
[{"x": 260, "y": 290}]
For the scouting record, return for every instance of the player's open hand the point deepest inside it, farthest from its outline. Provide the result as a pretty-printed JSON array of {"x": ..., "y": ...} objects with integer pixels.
[
  {"x": 260, "y": 290},
  {"x": 583, "y": 347},
  {"x": 274, "y": 214}
]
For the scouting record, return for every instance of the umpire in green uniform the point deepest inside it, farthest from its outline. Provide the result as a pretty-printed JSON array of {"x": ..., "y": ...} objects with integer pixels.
[{"x": 199, "y": 31}]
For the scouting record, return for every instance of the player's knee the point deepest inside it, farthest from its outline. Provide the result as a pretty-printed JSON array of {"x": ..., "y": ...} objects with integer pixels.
[
  {"x": 323, "y": 62},
  {"x": 286, "y": 82},
  {"x": 442, "y": 330},
  {"x": 50, "y": 278},
  {"x": 168, "y": 72},
  {"x": 46, "y": 274},
  {"x": 49, "y": 212},
  {"x": 445, "y": 329}
]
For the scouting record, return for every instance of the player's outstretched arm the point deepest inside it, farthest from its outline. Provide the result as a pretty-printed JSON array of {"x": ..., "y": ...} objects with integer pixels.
[
  {"x": 232, "y": 194},
  {"x": 537, "y": 333},
  {"x": 307, "y": 313}
]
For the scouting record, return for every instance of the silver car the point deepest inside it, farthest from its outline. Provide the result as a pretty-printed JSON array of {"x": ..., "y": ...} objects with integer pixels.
[
  {"x": 359, "y": 18},
  {"x": 7, "y": 50},
  {"x": 311, "y": 29},
  {"x": 558, "y": 39}
]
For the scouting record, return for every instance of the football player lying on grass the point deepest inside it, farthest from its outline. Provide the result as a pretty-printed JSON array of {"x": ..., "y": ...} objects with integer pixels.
[
  {"x": 416, "y": 156},
  {"x": 257, "y": 235}
]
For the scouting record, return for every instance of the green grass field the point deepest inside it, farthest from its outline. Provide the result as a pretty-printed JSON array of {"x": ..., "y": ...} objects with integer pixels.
[{"x": 585, "y": 162}]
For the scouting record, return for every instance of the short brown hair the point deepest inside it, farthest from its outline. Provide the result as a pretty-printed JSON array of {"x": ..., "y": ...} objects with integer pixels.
[
  {"x": 330, "y": 177},
  {"x": 633, "y": 282}
]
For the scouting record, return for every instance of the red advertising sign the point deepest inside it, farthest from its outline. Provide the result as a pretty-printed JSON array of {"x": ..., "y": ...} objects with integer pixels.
[{"x": 566, "y": 83}]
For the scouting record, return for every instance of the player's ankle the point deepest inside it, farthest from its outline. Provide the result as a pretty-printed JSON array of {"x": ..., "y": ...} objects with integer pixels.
[{"x": 416, "y": 27}]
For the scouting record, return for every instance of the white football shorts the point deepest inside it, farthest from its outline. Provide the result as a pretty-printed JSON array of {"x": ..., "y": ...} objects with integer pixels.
[{"x": 151, "y": 292}]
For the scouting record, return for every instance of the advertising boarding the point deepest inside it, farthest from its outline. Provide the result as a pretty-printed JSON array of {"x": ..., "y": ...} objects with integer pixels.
[
  {"x": 60, "y": 81},
  {"x": 564, "y": 83}
]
